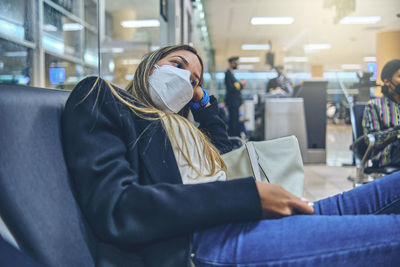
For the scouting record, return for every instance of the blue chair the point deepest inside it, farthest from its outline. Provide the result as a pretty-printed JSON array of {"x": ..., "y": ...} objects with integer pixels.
[
  {"x": 36, "y": 200},
  {"x": 10, "y": 256}
]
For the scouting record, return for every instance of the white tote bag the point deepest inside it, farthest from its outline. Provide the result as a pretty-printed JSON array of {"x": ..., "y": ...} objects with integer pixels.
[{"x": 277, "y": 161}]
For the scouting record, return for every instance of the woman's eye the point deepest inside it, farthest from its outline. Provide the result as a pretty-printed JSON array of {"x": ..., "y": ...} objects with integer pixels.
[
  {"x": 177, "y": 64},
  {"x": 194, "y": 83}
]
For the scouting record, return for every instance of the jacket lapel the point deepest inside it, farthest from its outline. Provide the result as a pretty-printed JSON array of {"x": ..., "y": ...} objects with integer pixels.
[{"x": 156, "y": 152}]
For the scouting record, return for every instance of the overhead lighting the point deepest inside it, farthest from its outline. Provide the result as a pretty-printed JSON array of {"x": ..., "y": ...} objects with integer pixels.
[
  {"x": 52, "y": 44},
  {"x": 16, "y": 54},
  {"x": 369, "y": 59},
  {"x": 295, "y": 59},
  {"x": 255, "y": 47},
  {"x": 91, "y": 59},
  {"x": 249, "y": 59},
  {"x": 245, "y": 67},
  {"x": 112, "y": 50},
  {"x": 49, "y": 28},
  {"x": 69, "y": 27},
  {"x": 111, "y": 66},
  {"x": 140, "y": 23},
  {"x": 130, "y": 61},
  {"x": 12, "y": 30},
  {"x": 360, "y": 20},
  {"x": 317, "y": 46},
  {"x": 271, "y": 20},
  {"x": 129, "y": 77},
  {"x": 351, "y": 66}
]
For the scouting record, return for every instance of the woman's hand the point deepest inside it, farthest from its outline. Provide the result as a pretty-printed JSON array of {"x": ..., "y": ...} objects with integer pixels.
[
  {"x": 276, "y": 202},
  {"x": 198, "y": 95}
]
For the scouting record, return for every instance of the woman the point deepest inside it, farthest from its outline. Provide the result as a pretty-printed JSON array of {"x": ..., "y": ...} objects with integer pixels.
[
  {"x": 152, "y": 187},
  {"x": 382, "y": 117}
]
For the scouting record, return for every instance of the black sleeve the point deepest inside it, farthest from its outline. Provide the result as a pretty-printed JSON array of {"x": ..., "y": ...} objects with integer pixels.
[
  {"x": 122, "y": 209},
  {"x": 231, "y": 83},
  {"x": 213, "y": 126},
  {"x": 272, "y": 84}
]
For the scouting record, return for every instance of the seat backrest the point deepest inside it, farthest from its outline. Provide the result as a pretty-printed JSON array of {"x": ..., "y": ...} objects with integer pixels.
[
  {"x": 36, "y": 201},
  {"x": 358, "y": 109}
]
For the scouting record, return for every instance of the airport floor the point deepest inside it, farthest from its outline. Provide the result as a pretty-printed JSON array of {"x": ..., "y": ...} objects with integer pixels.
[{"x": 323, "y": 180}]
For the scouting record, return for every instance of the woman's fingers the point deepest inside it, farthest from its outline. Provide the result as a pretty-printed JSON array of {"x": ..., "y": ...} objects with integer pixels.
[
  {"x": 302, "y": 207},
  {"x": 197, "y": 94},
  {"x": 276, "y": 202}
]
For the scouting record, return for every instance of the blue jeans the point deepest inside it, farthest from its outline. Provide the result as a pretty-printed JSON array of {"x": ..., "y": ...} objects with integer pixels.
[{"x": 360, "y": 227}]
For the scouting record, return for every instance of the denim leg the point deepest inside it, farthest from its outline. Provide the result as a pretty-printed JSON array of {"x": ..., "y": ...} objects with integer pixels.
[
  {"x": 301, "y": 240},
  {"x": 329, "y": 239},
  {"x": 379, "y": 197}
]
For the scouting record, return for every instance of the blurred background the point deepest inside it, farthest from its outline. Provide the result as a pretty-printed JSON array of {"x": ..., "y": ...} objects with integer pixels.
[{"x": 56, "y": 43}]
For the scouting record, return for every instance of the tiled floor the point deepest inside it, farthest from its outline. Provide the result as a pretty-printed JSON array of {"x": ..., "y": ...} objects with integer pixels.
[{"x": 328, "y": 179}]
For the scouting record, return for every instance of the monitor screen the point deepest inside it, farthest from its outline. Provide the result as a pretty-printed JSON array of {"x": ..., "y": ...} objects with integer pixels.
[
  {"x": 371, "y": 67},
  {"x": 56, "y": 75}
]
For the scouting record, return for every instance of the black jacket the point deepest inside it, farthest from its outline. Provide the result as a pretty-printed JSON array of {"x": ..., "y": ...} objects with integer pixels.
[
  {"x": 131, "y": 194},
  {"x": 233, "y": 96}
]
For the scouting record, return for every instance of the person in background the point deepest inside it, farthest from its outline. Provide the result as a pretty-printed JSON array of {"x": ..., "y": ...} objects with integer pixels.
[
  {"x": 233, "y": 97},
  {"x": 281, "y": 84},
  {"x": 153, "y": 190},
  {"x": 382, "y": 117}
]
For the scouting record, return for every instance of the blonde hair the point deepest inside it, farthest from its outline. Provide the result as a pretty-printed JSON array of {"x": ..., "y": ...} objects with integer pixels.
[{"x": 142, "y": 106}]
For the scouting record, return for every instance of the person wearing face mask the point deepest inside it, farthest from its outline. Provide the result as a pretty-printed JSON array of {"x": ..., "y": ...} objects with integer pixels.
[
  {"x": 233, "y": 97},
  {"x": 153, "y": 192},
  {"x": 382, "y": 117}
]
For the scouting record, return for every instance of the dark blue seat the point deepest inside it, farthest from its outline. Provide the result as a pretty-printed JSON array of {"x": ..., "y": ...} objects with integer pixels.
[
  {"x": 36, "y": 201},
  {"x": 10, "y": 256}
]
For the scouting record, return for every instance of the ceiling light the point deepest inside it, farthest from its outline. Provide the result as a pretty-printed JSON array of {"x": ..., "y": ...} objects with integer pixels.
[
  {"x": 255, "y": 47},
  {"x": 90, "y": 59},
  {"x": 49, "y": 28},
  {"x": 317, "y": 46},
  {"x": 52, "y": 44},
  {"x": 68, "y": 27},
  {"x": 16, "y": 54},
  {"x": 295, "y": 59},
  {"x": 249, "y": 59},
  {"x": 130, "y": 61},
  {"x": 245, "y": 67},
  {"x": 271, "y": 20},
  {"x": 112, "y": 50},
  {"x": 351, "y": 66},
  {"x": 360, "y": 20},
  {"x": 140, "y": 23},
  {"x": 370, "y": 59}
]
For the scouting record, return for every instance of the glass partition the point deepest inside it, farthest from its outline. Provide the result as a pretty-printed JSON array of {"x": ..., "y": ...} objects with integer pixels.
[
  {"x": 131, "y": 29},
  {"x": 55, "y": 43}
]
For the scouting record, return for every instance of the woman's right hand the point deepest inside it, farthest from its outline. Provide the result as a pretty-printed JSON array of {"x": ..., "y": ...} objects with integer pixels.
[{"x": 276, "y": 202}]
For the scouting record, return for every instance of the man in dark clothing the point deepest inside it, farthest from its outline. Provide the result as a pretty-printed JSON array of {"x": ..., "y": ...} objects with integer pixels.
[
  {"x": 281, "y": 84},
  {"x": 233, "y": 98}
]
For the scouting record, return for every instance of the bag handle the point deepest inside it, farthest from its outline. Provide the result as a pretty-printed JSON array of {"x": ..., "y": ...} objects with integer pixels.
[
  {"x": 255, "y": 165},
  {"x": 253, "y": 160}
]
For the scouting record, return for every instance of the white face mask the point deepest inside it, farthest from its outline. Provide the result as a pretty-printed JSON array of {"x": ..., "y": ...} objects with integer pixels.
[{"x": 170, "y": 88}]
